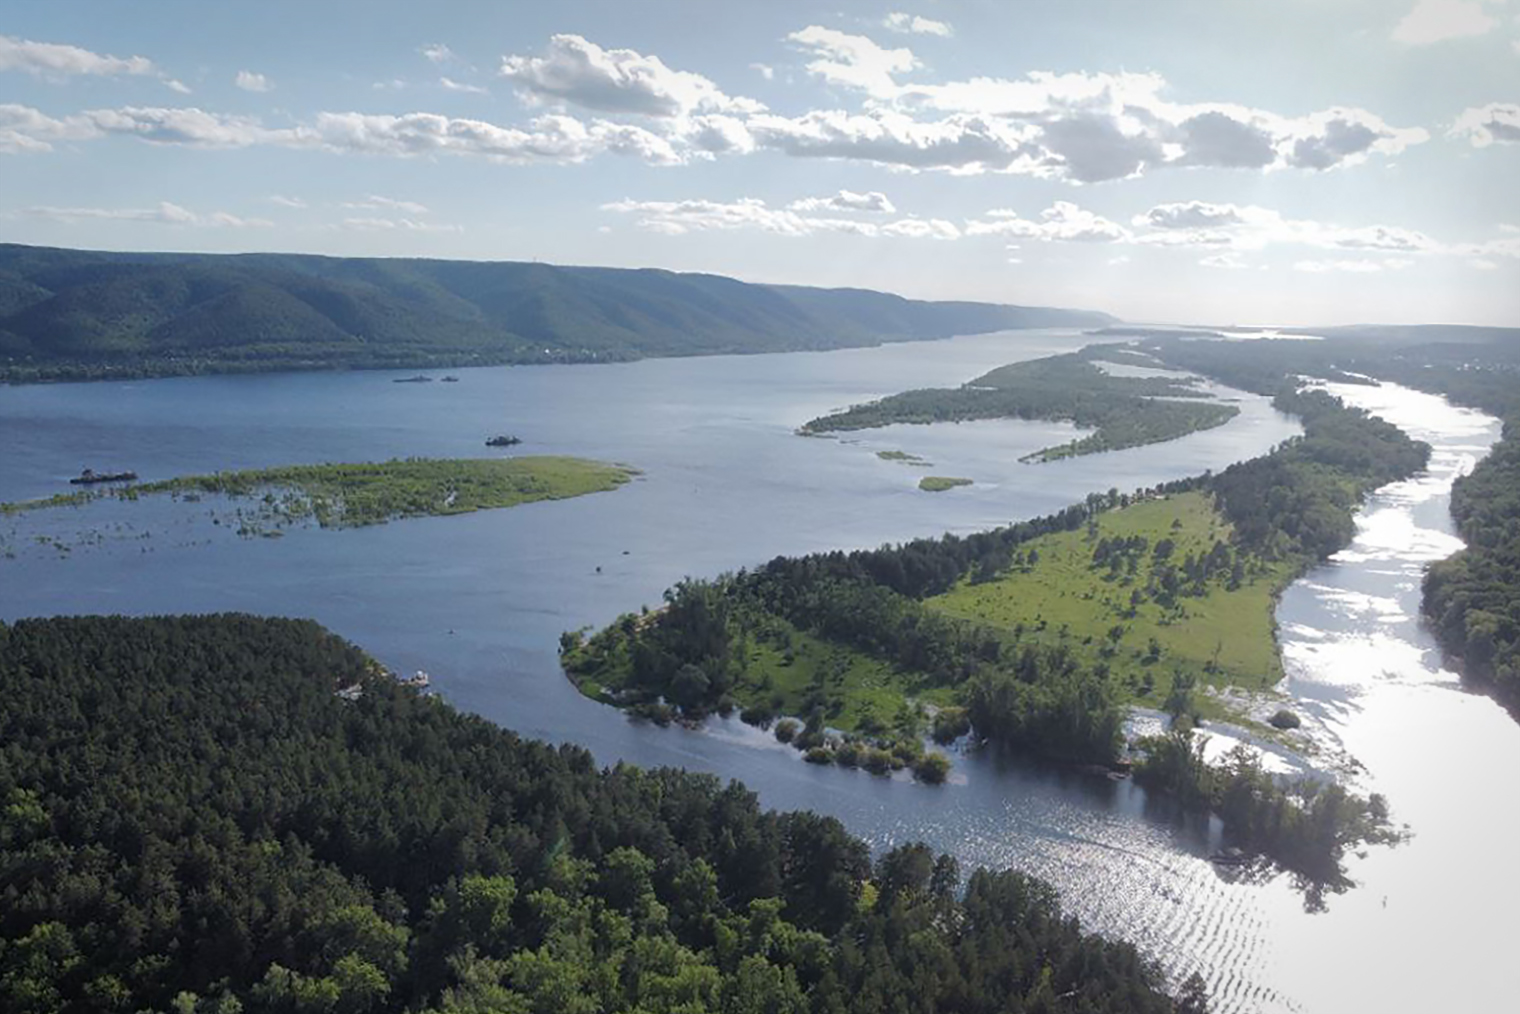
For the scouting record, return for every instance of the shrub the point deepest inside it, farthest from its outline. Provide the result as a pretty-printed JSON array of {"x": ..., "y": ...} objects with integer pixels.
[
  {"x": 1285, "y": 719},
  {"x": 786, "y": 729},
  {"x": 932, "y": 768}
]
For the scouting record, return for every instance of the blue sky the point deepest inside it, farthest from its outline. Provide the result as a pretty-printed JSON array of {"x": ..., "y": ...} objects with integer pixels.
[{"x": 1295, "y": 162}]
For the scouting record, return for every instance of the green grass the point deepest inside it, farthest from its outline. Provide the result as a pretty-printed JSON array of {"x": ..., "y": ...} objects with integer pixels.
[
  {"x": 1223, "y": 637},
  {"x": 352, "y": 495},
  {"x": 858, "y": 692},
  {"x": 940, "y": 483}
]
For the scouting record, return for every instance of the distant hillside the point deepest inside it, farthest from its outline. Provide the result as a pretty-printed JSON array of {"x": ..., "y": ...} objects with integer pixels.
[{"x": 78, "y": 314}]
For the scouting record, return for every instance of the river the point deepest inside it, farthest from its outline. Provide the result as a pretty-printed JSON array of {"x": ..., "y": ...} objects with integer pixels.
[{"x": 479, "y": 601}]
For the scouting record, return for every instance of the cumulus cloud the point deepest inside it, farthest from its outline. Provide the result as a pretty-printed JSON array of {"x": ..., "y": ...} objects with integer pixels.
[
  {"x": 1080, "y": 127},
  {"x": 164, "y": 213},
  {"x": 449, "y": 84},
  {"x": 912, "y": 24},
  {"x": 675, "y": 218},
  {"x": 958, "y": 143},
  {"x": 176, "y": 86},
  {"x": 1484, "y": 125},
  {"x": 251, "y": 82},
  {"x": 1190, "y": 215},
  {"x": 717, "y": 134},
  {"x": 1436, "y": 20},
  {"x": 438, "y": 53},
  {"x": 582, "y": 73},
  {"x": 1062, "y": 222},
  {"x": 553, "y": 138},
  {"x": 55, "y": 61},
  {"x": 853, "y": 61},
  {"x": 846, "y": 200}
]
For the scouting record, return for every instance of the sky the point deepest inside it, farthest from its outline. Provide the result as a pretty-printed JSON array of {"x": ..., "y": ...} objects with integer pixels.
[{"x": 1299, "y": 162}]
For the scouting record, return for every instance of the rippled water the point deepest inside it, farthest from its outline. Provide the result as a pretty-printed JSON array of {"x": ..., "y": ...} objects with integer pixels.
[{"x": 479, "y": 601}]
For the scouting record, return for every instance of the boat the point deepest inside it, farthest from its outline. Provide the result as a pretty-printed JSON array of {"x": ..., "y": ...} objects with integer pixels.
[
  {"x": 1231, "y": 856},
  {"x": 450, "y": 379},
  {"x": 418, "y": 680},
  {"x": 503, "y": 441},
  {"x": 418, "y": 379},
  {"x": 89, "y": 477}
]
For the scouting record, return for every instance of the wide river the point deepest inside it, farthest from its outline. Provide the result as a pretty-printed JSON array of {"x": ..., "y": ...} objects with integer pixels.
[{"x": 479, "y": 602}]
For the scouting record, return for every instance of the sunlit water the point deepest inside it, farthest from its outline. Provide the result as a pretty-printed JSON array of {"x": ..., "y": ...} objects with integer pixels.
[{"x": 480, "y": 600}]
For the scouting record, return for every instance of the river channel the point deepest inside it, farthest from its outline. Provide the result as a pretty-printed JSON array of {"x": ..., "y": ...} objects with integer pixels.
[{"x": 479, "y": 602}]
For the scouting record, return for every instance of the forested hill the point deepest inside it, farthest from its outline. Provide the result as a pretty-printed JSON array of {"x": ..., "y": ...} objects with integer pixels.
[
  {"x": 75, "y": 313},
  {"x": 193, "y": 820}
]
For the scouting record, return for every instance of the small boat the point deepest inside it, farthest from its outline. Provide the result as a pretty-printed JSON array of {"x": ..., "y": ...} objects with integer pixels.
[
  {"x": 418, "y": 379},
  {"x": 450, "y": 379},
  {"x": 90, "y": 477},
  {"x": 503, "y": 441},
  {"x": 418, "y": 680}
]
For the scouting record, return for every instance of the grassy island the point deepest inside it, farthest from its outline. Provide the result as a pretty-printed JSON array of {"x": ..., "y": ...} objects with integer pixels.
[
  {"x": 352, "y": 495},
  {"x": 940, "y": 483},
  {"x": 904, "y": 457},
  {"x": 1121, "y": 411},
  {"x": 1036, "y": 636}
]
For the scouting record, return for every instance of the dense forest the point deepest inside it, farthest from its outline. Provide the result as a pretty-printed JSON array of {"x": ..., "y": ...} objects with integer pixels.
[
  {"x": 692, "y": 655},
  {"x": 193, "y": 819},
  {"x": 75, "y": 314},
  {"x": 1122, "y": 411}
]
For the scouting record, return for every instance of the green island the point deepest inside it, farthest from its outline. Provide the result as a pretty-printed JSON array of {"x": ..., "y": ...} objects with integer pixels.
[
  {"x": 905, "y": 458},
  {"x": 353, "y": 495},
  {"x": 1036, "y": 637},
  {"x": 226, "y": 813},
  {"x": 1122, "y": 411},
  {"x": 940, "y": 483}
]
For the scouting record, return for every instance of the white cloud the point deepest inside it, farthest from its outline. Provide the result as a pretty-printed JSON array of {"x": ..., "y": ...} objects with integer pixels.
[
  {"x": 1190, "y": 215},
  {"x": 765, "y": 70},
  {"x": 24, "y": 130},
  {"x": 846, "y": 200},
  {"x": 551, "y": 138},
  {"x": 176, "y": 86},
  {"x": 287, "y": 202},
  {"x": 1436, "y": 20},
  {"x": 912, "y": 24},
  {"x": 1084, "y": 128},
  {"x": 1226, "y": 261},
  {"x": 717, "y": 134},
  {"x": 675, "y": 218},
  {"x": 438, "y": 53},
  {"x": 395, "y": 225},
  {"x": 1062, "y": 222},
  {"x": 1483, "y": 264},
  {"x": 55, "y": 61},
  {"x": 165, "y": 213},
  {"x": 449, "y": 84},
  {"x": 187, "y": 126},
  {"x": 251, "y": 82},
  {"x": 616, "y": 81},
  {"x": 968, "y": 144},
  {"x": 374, "y": 201},
  {"x": 1483, "y": 125},
  {"x": 853, "y": 61}
]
